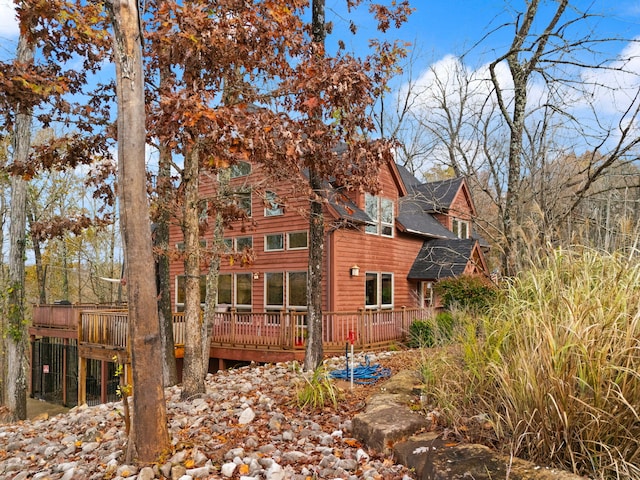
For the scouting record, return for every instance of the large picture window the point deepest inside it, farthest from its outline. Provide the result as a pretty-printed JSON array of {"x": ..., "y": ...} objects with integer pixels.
[
  {"x": 225, "y": 295},
  {"x": 180, "y": 293},
  {"x": 274, "y": 295},
  {"x": 297, "y": 290},
  {"x": 243, "y": 291},
  {"x": 378, "y": 290},
  {"x": 381, "y": 212}
]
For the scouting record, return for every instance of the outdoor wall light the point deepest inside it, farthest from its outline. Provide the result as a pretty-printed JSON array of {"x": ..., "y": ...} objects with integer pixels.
[
  {"x": 256, "y": 275},
  {"x": 355, "y": 271}
]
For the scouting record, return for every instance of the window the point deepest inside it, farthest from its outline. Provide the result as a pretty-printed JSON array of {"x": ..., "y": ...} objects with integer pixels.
[
  {"x": 381, "y": 211},
  {"x": 240, "y": 169},
  {"x": 461, "y": 228},
  {"x": 242, "y": 200},
  {"x": 228, "y": 244},
  {"x": 224, "y": 289},
  {"x": 297, "y": 240},
  {"x": 243, "y": 243},
  {"x": 274, "y": 295},
  {"x": 378, "y": 290},
  {"x": 274, "y": 242},
  {"x": 243, "y": 291},
  {"x": 273, "y": 207},
  {"x": 297, "y": 290},
  {"x": 180, "y": 245},
  {"x": 180, "y": 292}
]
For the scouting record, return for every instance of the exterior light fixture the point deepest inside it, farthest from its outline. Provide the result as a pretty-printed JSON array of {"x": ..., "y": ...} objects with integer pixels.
[
  {"x": 256, "y": 275},
  {"x": 355, "y": 271}
]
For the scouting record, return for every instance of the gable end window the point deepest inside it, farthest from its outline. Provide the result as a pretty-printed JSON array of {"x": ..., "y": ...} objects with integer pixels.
[
  {"x": 240, "y": 169},
  {"x": 461, "y": 228},
  {"x": 381, "y": 212}
]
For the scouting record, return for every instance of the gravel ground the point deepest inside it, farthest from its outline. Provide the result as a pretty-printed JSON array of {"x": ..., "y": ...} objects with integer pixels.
[{"x": 245, "y": 426}]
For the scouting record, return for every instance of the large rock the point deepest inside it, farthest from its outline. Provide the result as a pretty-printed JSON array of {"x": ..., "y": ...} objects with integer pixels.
[
  {"x": 390, "y": 426},
  {"x": 434, "y": 459},
  {"x": 381, "y": 427}
]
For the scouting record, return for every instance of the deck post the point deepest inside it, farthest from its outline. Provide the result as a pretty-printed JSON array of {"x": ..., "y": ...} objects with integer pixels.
[
  {"x": 361, "y": 326},
  {"x": 233, "y": 325},
  {"x": 65, "y": 344},
  {"x": 82, "y": 381}
]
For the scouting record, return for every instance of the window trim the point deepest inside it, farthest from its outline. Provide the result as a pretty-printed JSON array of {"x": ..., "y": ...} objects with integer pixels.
[
  {"x": 377, "y": 226},
  {"x": 269, "y": 306},
  {"x": 456, "y": 227},
  {"x": 379, "y": 305},
  {"x": 288, "y": 291},
  {"x": 266, "y": 242},
  {"x": 289, "y": 247},
  {"x": 277, "y": 208},
  {"x": 235, "y": 290}
]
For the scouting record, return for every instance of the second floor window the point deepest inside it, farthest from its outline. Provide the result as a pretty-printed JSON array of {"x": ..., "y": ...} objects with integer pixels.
[
  {"x": 272, "y": 206},
  {"x": 274, "y": 242},
  {"x": 244, "y": 243},
  {"x": 381, "y": 212},
  {"x": 242, "y": 199},
  {"x": 460, "y": 228},
  {"x": 297, "y": 240}
]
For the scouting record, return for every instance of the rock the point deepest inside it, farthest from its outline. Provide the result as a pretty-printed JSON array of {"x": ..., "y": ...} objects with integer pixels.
[
  {"x": 382, "y": 427},
  {"x": 247, "y": 416},
  {"x": 227, "y": 469},
  {"x": 432, "y": 458}
]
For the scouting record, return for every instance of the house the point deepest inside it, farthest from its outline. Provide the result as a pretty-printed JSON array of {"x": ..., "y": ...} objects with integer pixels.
[
  {"x": 382, "y": 252},
  {"x": 383, "y": 255}
]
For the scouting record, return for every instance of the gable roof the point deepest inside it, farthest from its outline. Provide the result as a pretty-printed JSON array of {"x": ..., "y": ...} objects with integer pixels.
[
  {"x": 442, "y": 258},
  {"x": 413, "y": 217},
  {"x": 438, "y": 196}
]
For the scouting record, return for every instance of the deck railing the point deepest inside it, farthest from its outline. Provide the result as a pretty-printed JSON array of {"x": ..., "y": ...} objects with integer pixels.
[
  {"x": 283, "y": 330},
  {"x": 60, "y": 316}
]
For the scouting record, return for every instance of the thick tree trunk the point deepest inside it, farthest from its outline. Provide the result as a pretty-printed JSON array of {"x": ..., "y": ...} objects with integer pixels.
[
  {"x": 17, "y": 335},
  {"x": 194, "y": 372},
  {"x": 161, "y": 240},
  {"x": 314, "y": 350},
  {"x": 149, "y": 437}
]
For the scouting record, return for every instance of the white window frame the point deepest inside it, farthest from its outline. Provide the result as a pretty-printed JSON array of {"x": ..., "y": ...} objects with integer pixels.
[
  {"x": 266, "y": 242},
  {"x": 273, "y": 208},
  {"x": 289, "y": 247},
  {"x": 235, "y": 242},
  {"x": 273, "y": 307},
  {"x": 457, "y": 225},
  {"x": 235, "y": 291},
  {"x": 379, "y": 305},
  {"x": 374, "y": 208},
  {"x": 288, "y": 291}
]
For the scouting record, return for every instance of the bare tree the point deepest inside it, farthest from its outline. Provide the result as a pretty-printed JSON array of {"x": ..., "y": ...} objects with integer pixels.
[
  {"x": 529, "y": 129},
  {"x": 148, "y": 437}
]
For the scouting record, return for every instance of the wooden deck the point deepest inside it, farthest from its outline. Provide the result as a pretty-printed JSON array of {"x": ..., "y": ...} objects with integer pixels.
[{"x": 261, "y": 337}]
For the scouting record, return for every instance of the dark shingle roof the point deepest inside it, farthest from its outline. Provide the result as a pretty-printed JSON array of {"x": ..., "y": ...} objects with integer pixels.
[
  {"x": 414, "y": 217},
  {"x": 438, "y": 196},
  {"x": 441, "y": 258}
]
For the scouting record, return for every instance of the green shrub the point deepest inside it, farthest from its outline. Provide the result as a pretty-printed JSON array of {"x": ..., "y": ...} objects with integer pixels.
[
  {"x": 435, "y": 331},
  {"x": 469, "y": 292}
]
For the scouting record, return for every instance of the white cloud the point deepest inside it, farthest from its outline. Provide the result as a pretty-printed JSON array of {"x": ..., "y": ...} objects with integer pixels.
[{"x": 8, "y": 20}]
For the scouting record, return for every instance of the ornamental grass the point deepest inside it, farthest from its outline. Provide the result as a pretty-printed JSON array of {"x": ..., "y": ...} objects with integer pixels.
[{"x": 552, "y": 372}]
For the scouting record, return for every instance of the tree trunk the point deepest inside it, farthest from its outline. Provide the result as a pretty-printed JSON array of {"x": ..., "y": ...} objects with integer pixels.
[
  {"x": 313, "y": 350},
  {"x": 194, "y": 372},
  {"x": 17, "y": 335},
  {"x": 40, "y": 272},
  {"x": 149, "y": 437},
  {"x": 161, "y": 241}
]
